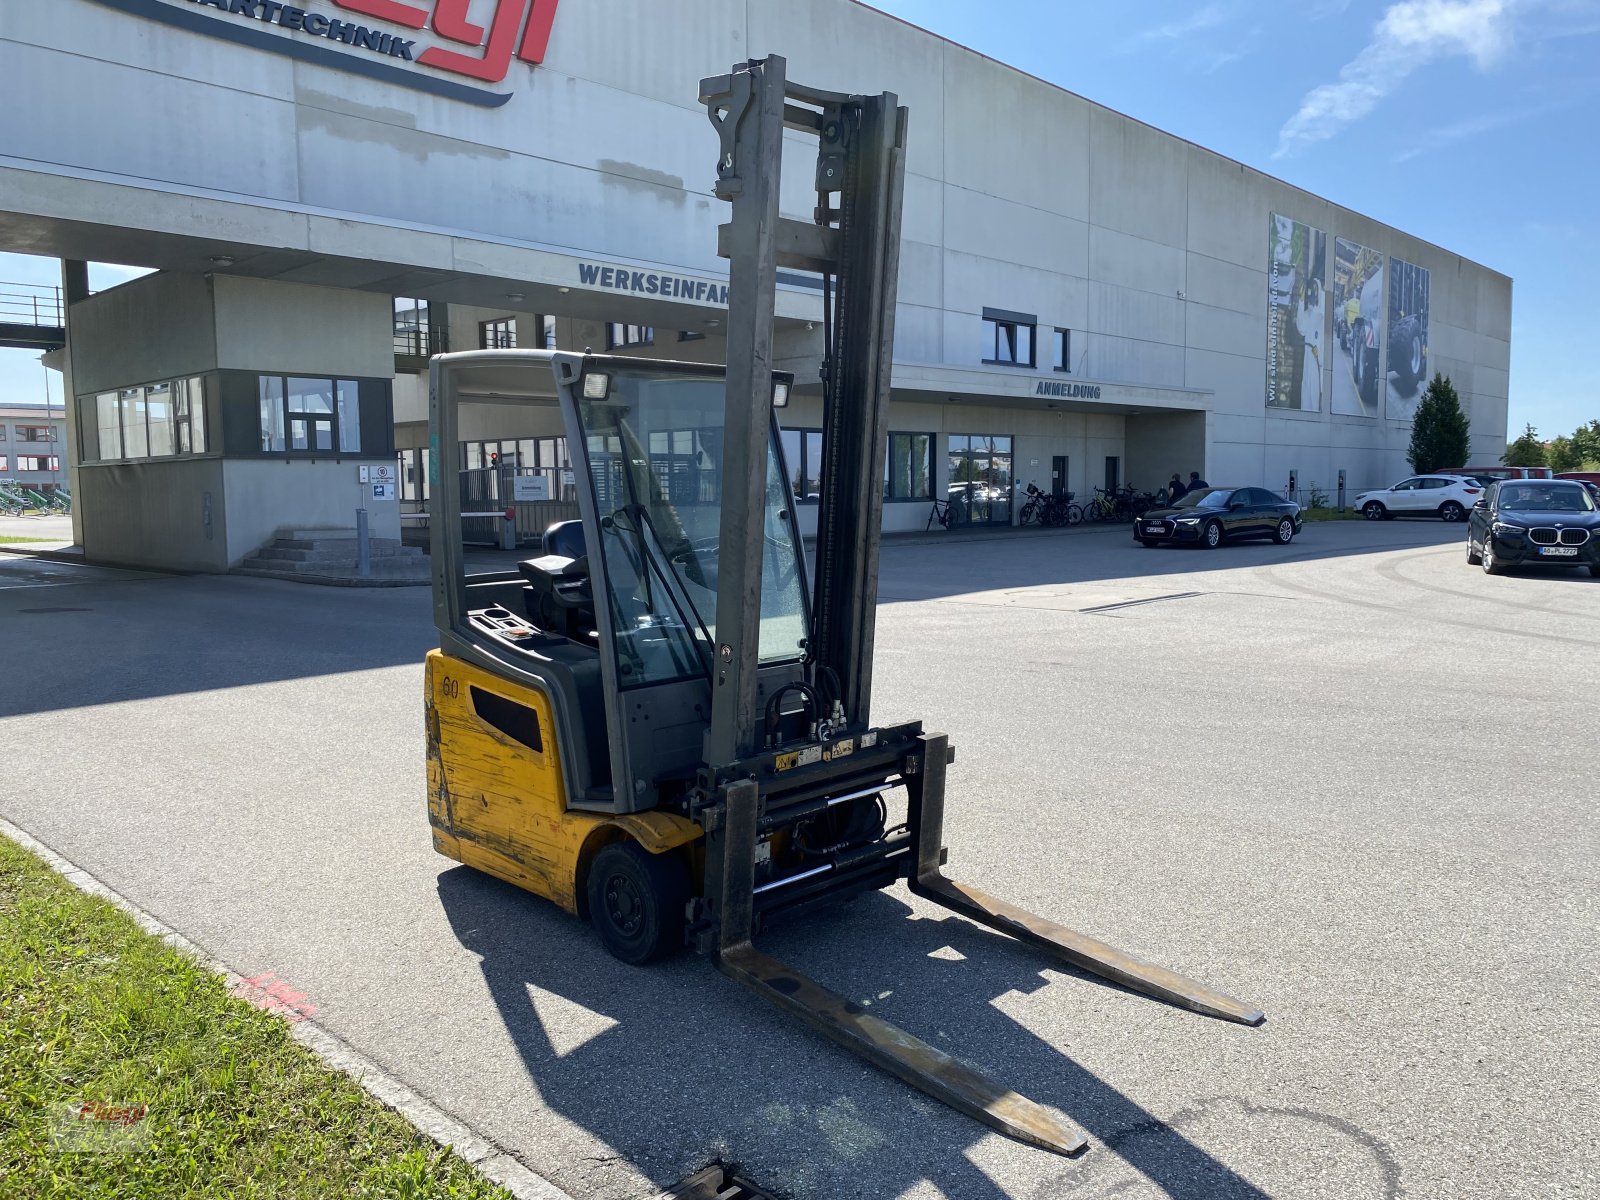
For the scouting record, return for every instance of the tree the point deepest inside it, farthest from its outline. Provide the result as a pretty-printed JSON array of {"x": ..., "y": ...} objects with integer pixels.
[
  {"x": 1562, "y": 455},
  {"x": 1526, "y": 451},
  {"x": 1439, "y": 430},
  {"x": 1586, "y": 442}
]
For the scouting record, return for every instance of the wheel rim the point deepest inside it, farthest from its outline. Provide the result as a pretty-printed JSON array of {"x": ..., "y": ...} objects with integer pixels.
[
  {"x": 1488, "y": 556},
  {"x": 1285, "y": 530},
  {"x": 1416, "y": 356},
  {"x": 1452, "y": 512},
  {"x": 1374, "y": 513},
  {"x": 1213, "y": 535},
  {"x": 624, "y": 906}
]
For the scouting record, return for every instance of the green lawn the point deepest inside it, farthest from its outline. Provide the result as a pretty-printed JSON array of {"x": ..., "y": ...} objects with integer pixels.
[
  {"x": 20, "y": 541},
  {"x": 96, "y": 1012},
  {"x": 1330, "y": 514}
]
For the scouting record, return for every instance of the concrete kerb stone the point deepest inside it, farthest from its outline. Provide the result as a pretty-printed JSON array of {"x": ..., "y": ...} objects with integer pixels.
[{"x": 485, "y": 1157}]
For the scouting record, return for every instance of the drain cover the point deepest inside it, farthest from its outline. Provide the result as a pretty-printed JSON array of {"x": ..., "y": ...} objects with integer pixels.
[{"x": 716, "y": 1182}]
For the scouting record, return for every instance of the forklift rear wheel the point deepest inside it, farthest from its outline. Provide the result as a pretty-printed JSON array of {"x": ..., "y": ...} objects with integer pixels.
[{"x": 637, "y": 900}]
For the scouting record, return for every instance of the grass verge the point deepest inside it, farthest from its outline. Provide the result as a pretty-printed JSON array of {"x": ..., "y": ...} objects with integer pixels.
[
  {"x": 22, "y": 541},
  {"x": 95, "y": 1012},
  {"x": 1330, "y": 514}
]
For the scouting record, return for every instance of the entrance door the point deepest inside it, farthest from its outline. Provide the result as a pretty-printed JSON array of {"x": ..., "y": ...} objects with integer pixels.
[
  {"x": 1058, "y": 475},
  {"x": 1113, "y": 473},
  {"x": 980, "y": 477}
]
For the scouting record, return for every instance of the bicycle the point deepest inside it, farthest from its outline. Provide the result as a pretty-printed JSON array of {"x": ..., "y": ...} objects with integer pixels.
[
  {"x": 1103, "y": 507},
  {"x": 949, "y": 513}
]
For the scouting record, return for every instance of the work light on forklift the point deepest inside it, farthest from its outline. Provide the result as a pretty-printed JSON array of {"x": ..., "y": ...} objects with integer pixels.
[{"x": 596, "y": 385}]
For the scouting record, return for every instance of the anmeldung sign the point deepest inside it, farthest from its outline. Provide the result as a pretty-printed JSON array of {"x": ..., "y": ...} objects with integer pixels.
[{"x": 528, "y": 488}]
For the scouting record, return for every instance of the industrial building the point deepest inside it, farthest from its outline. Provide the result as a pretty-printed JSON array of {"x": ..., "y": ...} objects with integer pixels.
[{"x": 332, "y": 193}]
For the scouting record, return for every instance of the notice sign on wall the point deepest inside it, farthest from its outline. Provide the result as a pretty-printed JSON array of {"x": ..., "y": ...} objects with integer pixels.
[{"x": 528, "y": 488}]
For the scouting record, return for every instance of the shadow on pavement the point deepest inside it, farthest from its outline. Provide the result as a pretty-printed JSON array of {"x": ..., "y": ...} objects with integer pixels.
[
  {"x": 689, "y": 1066},
  {"x": 924, "y": 571}
]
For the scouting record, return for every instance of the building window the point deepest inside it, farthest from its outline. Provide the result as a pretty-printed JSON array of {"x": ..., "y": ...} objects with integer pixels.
[
  {"x": 2, "y": 432},
  {"x": 33, "y": 433},
  {"x": 3, "y": 466},
  {"x": 908, "y": 467},
  {"x": 802, "y": 454},
  {"x": 190, "y": 416},
  {"x": 547, "y": 332},
  {"x": 499, "y": 334},
  {"x": 980, "y": 476},
  {"x": 621, "y": 337},
  {"x": 1008, "y": 337},
  {"x": 135, "y": 434},
  {"x": 37, "y": 462},
  {"x": 690, "y": 335},
  {"x": 309, "y": 416},
  {"x": 108, "y": 418},
  {"x": 413, "y": 334},
  {"x": 414, "y": 475},
  {"x": 1063, "y": 354}
]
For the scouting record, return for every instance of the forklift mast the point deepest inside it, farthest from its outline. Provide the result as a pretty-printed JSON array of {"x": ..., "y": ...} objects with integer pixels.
[{"x": 853, "y": 244}]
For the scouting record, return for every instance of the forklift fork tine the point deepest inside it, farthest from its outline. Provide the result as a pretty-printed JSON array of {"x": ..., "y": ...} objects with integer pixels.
[
  {"x": 926, "y": 814},
  {"x": 924, "y": 1067}
]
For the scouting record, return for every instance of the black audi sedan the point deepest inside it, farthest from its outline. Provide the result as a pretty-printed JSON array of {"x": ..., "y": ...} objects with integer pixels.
[
  {"x": 1210, "y": 516},
  {"x": 1520, "y": 521}
]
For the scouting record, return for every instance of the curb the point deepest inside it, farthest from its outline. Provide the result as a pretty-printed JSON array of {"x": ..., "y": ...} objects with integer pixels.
[{"x": 486, "y": 1158}]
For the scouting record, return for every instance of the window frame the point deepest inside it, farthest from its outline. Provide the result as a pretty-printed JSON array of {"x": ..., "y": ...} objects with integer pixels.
[
  {"x": 497, "y": 333},
  {"x": 619, "y": 335},
  {"x": 338, "y": 389},
  {"x": 25, "y": 433},
  {"x": 929, "y": 474},
  {"x": 51, "y": 464},
  {"x": 1063, "y": 350},
  {"x": 996, "y": 321}
]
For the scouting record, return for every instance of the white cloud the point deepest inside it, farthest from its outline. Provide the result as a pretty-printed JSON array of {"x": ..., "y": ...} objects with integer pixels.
[
  {"x": 1407, "y": 37},
  {"x": 1200, "y": 20}
]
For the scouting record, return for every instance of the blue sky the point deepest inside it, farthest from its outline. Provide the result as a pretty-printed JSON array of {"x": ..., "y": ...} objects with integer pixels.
[
  {"x": 1471, "y": 123},
  {"x": 1474, "y": 124}
]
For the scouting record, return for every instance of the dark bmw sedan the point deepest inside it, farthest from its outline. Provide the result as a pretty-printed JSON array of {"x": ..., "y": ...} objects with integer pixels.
[
  {"x": 1550, "y": 521},
  {"x": 1210, "y": 516}
]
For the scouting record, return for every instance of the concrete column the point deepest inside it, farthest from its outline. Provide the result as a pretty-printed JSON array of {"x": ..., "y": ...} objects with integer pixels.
[{"x": 74, "y": 287}]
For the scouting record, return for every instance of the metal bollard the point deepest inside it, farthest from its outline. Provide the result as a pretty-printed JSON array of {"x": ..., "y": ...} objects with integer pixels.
[{"x": 363, "y": 548}]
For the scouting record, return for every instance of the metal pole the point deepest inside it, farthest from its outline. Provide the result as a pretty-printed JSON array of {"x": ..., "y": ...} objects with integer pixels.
[
  {"x": 749, "y": 117},
  {"x": 363, "y": 550}
]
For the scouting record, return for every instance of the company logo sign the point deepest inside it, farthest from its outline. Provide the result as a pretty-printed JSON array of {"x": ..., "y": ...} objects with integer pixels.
[{"x": 420, "y": 44}]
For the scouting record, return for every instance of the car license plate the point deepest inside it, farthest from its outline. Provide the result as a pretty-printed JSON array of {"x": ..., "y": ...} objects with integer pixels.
[
  {"x": 1153, "y": 527},
  {"x": 1559, "y": 551}
]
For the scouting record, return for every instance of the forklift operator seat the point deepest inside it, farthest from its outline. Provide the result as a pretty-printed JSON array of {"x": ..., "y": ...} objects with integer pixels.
[{"x": 566, "y": 539}]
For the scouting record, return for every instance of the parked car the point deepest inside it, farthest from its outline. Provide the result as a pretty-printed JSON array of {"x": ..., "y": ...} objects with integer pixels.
[
  {"x": 1552, "y": 521},
  {"x": 1499, "y": 472},
  {"x": 1210, "y": 516},
  {"x": 1448, "y": 497}
]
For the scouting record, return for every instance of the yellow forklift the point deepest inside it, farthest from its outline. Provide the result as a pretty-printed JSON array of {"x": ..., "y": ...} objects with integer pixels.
[{"x": 662, "y": 722}]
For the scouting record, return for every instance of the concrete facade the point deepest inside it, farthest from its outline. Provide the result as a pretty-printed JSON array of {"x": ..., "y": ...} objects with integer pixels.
[{"x": 586, "y": 195}]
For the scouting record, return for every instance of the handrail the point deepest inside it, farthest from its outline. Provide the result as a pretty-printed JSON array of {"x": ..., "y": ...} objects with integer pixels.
[{"x": 35, "y": 304}]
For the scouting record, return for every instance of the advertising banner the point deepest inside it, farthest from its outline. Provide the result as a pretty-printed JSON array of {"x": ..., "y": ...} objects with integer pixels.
[
  {"x": 1358, "y": 326},
  {"x": 1297, "y": 272},
  {"x": 1408, "y": 338}
]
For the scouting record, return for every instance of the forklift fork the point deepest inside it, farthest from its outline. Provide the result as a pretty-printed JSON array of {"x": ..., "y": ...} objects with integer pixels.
[
  {"x": 884, "y": 1045},
  {"x": 887, "y": 1046}
]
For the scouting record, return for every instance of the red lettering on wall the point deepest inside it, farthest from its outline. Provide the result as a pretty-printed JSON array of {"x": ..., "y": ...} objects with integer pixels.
[{"x": 450, "y": 19}]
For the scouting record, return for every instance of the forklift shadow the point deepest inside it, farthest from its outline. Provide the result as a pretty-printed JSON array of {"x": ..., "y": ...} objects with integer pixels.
[{"x": 682, "y": 1065}]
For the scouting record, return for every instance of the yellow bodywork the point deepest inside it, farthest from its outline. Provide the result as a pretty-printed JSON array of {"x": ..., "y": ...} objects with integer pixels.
[{"x": 497, "y": 803}]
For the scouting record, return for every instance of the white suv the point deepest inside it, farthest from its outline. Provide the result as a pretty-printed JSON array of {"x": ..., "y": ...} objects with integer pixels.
[{"x": 1447, "y": 497}]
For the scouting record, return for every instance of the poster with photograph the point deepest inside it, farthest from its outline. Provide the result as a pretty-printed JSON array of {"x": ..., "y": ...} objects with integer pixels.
[
  {"x": 1408, "y": 339},
  {"x": 1297, "y": 273},
  {"x": 1357, "y": 328}
]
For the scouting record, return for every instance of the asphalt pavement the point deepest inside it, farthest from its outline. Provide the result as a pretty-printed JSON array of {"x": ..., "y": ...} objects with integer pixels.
[{"x": 1350, "y": 780}]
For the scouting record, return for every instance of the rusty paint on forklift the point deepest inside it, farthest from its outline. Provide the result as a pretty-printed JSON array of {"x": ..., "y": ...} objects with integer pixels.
[{"x": 498, "y": 803}]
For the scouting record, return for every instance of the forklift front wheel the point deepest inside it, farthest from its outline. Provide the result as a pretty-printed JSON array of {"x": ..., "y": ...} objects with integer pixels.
[{"x": 637, "y": 901}]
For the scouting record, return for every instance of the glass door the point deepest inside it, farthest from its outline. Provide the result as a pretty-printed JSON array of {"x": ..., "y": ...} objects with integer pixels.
[{"x": 980, "y": 478}]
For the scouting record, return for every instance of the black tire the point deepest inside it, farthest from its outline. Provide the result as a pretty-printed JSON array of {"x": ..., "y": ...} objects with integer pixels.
[
  {"x": 1093, "y": 515},
  {"x": 637, "y": 900},
  {"x": 1451, "y": 511},
  {"x": 1473, "y": 557},
  {"x": 1408, "y": 365},
  {"x": 1366, "y": 363},
  {"x": 1594, "y": 570},
  {"x": 1028, "y": 511},
  {"x": 1284, "y": 533},
  {"x": 1211, "y": 535},
  {"x": 1491, "y": 564},
  {"x": 1373, "y": 510}
]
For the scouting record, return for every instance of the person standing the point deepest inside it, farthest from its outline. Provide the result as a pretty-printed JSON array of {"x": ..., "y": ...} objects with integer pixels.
[
  {"x": 1175, "y": 489},
  {"x": 1196, "y": 482}
]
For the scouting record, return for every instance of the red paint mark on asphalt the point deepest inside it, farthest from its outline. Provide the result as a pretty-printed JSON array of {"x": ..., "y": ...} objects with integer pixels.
[{"x": 268, "y": 992}]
